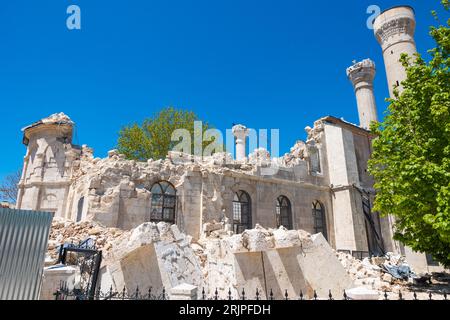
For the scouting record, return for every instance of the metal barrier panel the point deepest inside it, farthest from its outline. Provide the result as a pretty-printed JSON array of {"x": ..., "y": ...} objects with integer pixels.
[{"x": 23, "y": 244}]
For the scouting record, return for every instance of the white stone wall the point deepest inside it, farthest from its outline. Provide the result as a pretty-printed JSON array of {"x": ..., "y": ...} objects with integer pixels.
[{"x": 116, "y": 192}]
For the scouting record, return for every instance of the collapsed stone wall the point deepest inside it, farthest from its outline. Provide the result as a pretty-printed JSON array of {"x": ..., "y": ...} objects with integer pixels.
[
  {"x": 276, "y": 261},
  {"x": 159, "y": 255}
]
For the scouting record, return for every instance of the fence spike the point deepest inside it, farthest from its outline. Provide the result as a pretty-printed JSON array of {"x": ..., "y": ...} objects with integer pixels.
[
  {"x": 149, "y": 293},
  {"x": 431, "y": 296},
  {"x": 123, "y": 293},
  {"x": 286, "y": 295},
  {"x": 445, "y": 295},
  {"x": 216, "y": 295},
  {"x": 385, "y": 295},
  {"x": 330, "y": 295},
  {"x": 301, "y": 295},
  {"x": 400, "y": 296},
  {"x": 203, "y": 294},
  {"x": 137, "y": 292},
  {"x": 229, "y": 294},
  {"x": 243, "y": 294},
  {"x": 415, "y": 295},
  {"x": 257, "y": 294},
  {"x": 164, "y": 294},
  {"x": 345, "y": 295},
  {"x": 271, "y": 294},
  {"x": 315, "y": 295}
]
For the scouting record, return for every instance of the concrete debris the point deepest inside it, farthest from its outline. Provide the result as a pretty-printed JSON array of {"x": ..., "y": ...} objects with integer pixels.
[
  {"x": 7, "y": 205},
  {"x": 362, "y": 293},
  {"x": 159, "y": 255},
  {"x": 371, "y": 274},
  {"x": 296, "y": 154},
  {"x": 64, "y": 231}
]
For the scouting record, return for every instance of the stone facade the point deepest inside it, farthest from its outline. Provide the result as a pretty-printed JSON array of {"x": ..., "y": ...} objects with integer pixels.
[
  {"x": 327, "y": 170},
  {"x": 321, "y": 185}
]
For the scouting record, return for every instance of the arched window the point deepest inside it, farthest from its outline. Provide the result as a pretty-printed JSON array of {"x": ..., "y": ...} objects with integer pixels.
[
  {"x": 284, "y": 212},
  {"x": 242, "y": 213},
  {"x": 320, "y": 223},
  {"x": 164, "y": 201}
]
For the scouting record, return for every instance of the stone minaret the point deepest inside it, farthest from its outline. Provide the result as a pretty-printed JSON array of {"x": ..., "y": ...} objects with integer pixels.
[
  {"x": 47, "y": 169},
  {"x": 394, "y": 30},
  {"x": 361, "y": 75}
]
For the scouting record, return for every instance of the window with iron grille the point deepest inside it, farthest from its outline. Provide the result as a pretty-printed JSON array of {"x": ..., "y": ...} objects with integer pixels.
[
  {"x": 242, "y": 214},
  {"x": 284, "y": 213},
  {"x": 320, "y": 224},
  {"x": 164, "y": 202}
]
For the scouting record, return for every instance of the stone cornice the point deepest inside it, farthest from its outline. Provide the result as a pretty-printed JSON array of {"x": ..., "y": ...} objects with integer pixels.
[
  {"x": 363, "y": 71},
  {"x": 399, "y": 29}
]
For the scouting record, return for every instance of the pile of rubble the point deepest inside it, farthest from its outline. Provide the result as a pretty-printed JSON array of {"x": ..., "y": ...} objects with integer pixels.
[
  {"x": 219, "y": 253},
  {"x": 64, "y": 231},
  {"x": 6, "y": 205},
  {"x": 391, "y": 276},
  {"x": 369, "y": 274}
]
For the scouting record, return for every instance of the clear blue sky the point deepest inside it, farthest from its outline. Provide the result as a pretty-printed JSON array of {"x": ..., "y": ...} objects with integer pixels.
[{"x": 266, "y": 64}]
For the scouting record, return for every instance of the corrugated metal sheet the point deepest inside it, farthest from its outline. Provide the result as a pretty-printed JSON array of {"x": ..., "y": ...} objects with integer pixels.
[{"x": 23, "y": 243}]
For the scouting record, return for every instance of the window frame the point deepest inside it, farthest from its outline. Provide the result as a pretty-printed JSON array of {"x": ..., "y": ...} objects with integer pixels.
[
  {"x": 278, "y": 212},
  {"x": 162, "y": 202},
  {"x": 243, "y": 204}
]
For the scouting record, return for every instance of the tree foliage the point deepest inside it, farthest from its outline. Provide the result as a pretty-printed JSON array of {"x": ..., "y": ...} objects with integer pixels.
[
  {"x": 9, "y": 187},
  {"x": 152, "y": 139},
  {"x": 411, "y": 155}
]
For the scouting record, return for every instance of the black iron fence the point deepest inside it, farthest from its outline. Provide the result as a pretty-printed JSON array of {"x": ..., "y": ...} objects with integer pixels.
[
  {"x": 72, "y": 294},
  {"x": 64, "y": 293}
]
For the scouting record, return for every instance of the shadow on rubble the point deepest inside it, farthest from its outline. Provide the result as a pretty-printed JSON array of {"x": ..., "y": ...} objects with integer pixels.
[{"x": 437, "y": 282}]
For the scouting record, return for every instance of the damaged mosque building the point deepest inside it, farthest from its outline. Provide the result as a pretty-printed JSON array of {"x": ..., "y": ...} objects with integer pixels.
[{"x": 322, "y": 185}]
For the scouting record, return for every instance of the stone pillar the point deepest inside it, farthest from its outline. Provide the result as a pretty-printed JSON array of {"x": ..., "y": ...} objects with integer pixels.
[
  {"x": 240, "y": 132},
  {"x": 184, "y": 292},
  {"x": 348, "y": 218},
  {"x": 394, "y": 30},
  {"x": 361, "y": 75},
  {"x": 54, "y": 276}
]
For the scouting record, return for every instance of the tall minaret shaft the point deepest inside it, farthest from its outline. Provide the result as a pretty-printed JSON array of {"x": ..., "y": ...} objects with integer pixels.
[
  {"x": 361, "y": 75},
  {"x": 394, "y": 30}
]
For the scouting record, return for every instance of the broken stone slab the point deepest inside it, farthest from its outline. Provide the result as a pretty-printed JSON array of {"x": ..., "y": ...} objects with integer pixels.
[
  {"x": 260, "y": 239},
  {"x": 321, "y": 269},
  {"x": 151, "y": 256},
  {"x": 184, "y": 291},
  {"x": 362, "y": 293}
]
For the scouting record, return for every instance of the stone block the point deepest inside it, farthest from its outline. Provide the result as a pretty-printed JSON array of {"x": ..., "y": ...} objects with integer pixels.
[
  {"x": 184, "y": 291},
  {"x": 362, "y": 293}
]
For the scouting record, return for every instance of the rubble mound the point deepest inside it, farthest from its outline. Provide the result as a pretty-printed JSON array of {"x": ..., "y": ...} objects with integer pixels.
[
  {"x": 65, "y": 231},
  {"x": 213, "y": 260},
  {"x": 375, "y": 274}
]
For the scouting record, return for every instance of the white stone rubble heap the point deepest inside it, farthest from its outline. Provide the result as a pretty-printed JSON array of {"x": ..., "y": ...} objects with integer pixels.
[{"x": 220, "y": 259}]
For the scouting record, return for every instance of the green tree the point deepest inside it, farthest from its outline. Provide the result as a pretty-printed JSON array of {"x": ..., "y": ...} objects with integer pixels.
[
  {"x": 411, "y": 155},
  {"x": 152, "y": 139}
]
